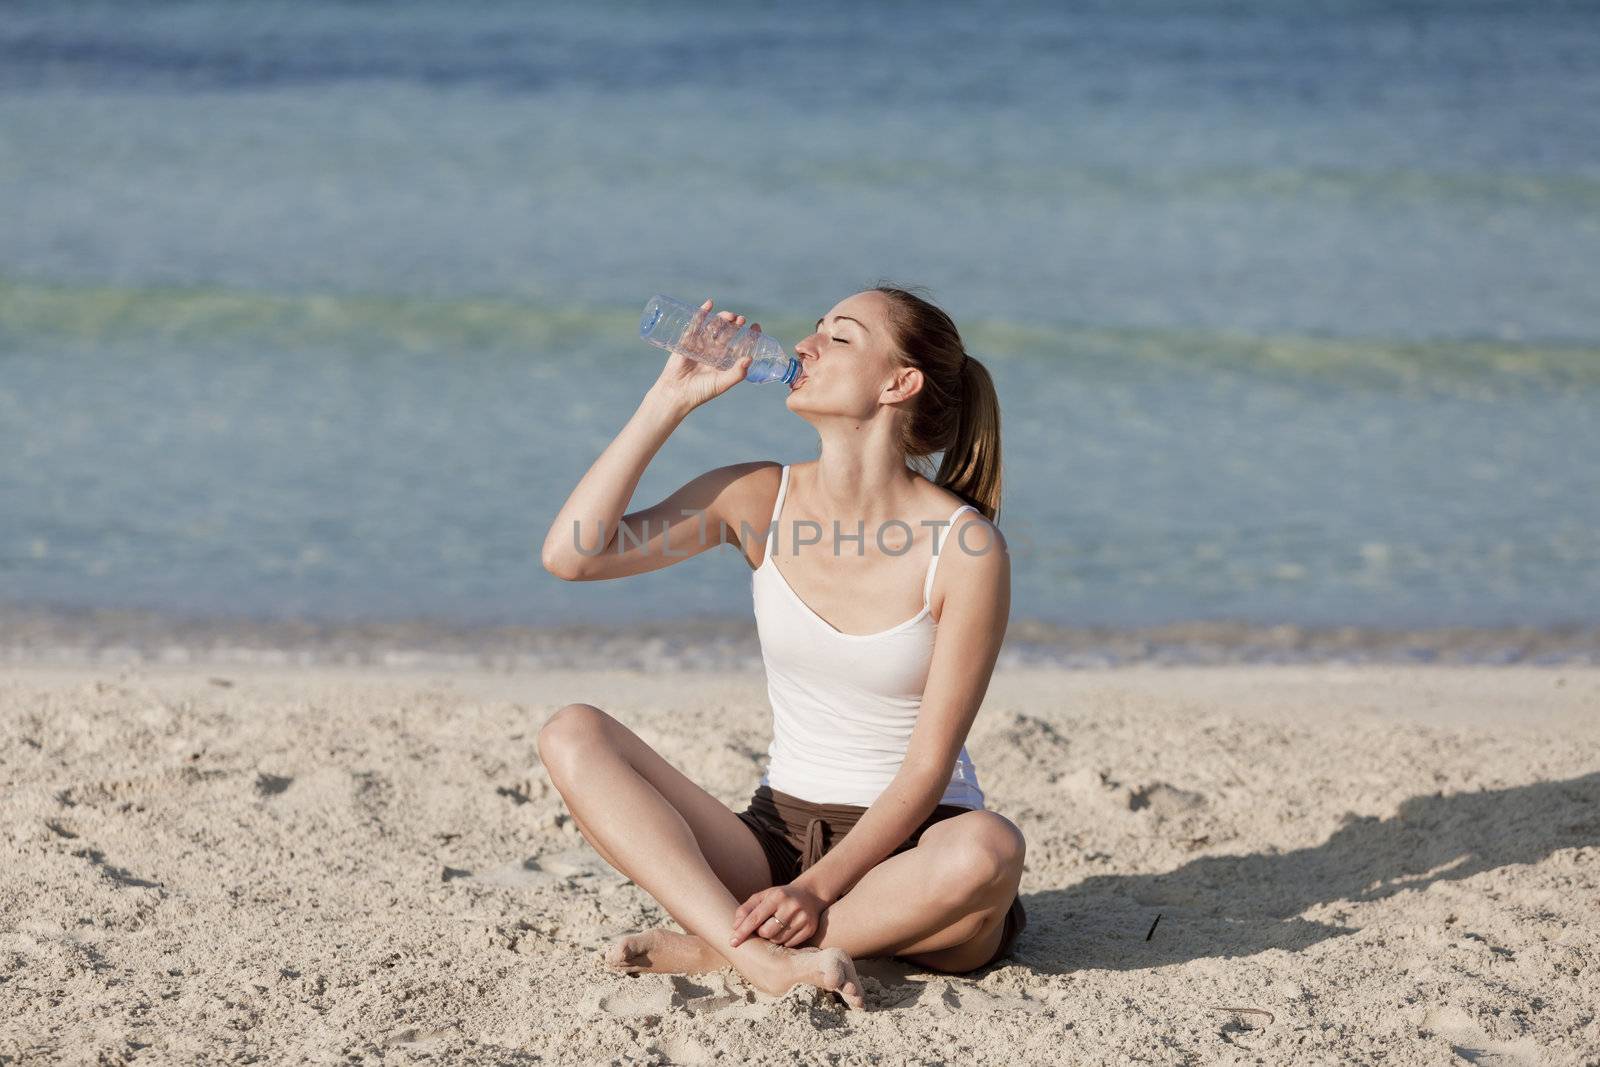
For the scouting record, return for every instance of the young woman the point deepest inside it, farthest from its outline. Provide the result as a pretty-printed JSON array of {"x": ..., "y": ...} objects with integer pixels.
[{"x": 868, "y": 834}]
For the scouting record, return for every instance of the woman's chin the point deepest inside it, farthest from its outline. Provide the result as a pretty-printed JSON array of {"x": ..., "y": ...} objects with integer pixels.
[{"x": 798, "y": 405}]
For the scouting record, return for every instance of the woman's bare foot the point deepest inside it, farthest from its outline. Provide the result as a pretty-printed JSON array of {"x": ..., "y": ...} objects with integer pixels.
[
  {"x": 662, "y": 951},
  {"x": 826, "y": 968}
]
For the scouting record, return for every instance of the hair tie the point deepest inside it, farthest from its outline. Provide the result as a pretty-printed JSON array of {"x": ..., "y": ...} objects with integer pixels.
[{"x": 963, "y": 368}]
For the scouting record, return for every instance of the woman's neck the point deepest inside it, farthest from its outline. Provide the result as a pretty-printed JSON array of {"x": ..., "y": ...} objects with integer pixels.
[{"x": 873, "y": 485}]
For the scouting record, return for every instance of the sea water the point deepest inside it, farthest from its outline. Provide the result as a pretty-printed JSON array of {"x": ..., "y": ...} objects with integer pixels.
[{"x": 1290, "y": 308}]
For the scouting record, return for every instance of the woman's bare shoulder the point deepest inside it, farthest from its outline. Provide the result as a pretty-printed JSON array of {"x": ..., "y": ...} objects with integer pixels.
[
  {"x": 745, "y": 502},
  {"x": 975, "y": 562},
  {"x": 944, "y": 503},
  {"x": 970, "y": 531}
]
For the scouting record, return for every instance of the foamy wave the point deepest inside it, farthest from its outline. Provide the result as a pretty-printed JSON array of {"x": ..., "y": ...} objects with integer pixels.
[
  {"x": 32, "y": 312},
  {"x": 104, "y": 637}
]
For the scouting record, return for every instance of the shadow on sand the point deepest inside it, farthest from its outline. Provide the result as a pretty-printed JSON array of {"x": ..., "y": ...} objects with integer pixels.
[{"x": 1229, "y": 906}]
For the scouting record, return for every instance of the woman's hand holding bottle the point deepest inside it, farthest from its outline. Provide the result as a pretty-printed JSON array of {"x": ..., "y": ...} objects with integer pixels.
[{"x": 686, "y": 383}]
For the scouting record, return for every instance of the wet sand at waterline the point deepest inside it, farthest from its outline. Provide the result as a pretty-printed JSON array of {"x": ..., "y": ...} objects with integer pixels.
[{"x": 308, "y": 864}]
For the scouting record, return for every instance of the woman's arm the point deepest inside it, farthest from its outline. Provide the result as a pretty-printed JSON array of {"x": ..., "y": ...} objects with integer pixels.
[
  {"x": 591, "y": 538},
  {"x": 972, "y": 625}
]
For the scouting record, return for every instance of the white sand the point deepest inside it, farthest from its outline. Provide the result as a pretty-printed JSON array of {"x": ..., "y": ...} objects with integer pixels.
[{"x": 1394, "y": 863}]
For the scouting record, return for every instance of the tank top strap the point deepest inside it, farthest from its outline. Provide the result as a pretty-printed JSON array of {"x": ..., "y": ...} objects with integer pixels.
[
  {"x": 777, "y": 509},
  {"x": 944, "y": 534}
]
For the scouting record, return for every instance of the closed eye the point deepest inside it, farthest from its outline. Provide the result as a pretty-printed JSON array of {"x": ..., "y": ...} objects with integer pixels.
[{"x": 841, "y": 340}]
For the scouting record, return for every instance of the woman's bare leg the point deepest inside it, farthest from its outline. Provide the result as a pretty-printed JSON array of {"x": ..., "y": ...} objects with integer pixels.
[
  {"x": 657, "y": 951},
  {"x": 951, "y": 893},
  {"x": 649, "y": 841},
  {"x": 941, "y": 904}
]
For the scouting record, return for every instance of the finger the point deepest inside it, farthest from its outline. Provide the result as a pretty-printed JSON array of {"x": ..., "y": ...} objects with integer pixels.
[
  {"x": 794, "y": 931},
  {"x": 743, "y": 931},
  {"x": 766, "y": 927},
  {"x": 752, "y": 922},
  {"x": 744, "y": 909},
  {"x": 781, "y": 925}
]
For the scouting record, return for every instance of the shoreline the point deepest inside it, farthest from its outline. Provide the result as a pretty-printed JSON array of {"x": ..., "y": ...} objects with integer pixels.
[{"x": 101, "y": 637}]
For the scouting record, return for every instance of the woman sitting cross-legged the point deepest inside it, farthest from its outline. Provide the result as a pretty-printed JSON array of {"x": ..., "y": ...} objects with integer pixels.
[{"x": 879, "y": 630}]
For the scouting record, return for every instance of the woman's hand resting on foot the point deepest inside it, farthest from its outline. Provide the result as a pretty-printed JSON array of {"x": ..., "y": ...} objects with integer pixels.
[{"x": 786, "y": 915}]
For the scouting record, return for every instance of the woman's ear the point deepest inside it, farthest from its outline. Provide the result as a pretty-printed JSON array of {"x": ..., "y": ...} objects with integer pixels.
[{"x": 906, "y": 383}]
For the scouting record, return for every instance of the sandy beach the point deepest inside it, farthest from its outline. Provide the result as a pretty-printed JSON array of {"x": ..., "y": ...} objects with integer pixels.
[{"x": 276, "y": 864}]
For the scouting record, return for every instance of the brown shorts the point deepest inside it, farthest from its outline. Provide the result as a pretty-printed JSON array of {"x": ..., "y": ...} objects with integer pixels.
[{"x": 796, "y": 833}]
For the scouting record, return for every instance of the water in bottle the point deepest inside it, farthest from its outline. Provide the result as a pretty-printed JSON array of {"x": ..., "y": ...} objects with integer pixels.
[{"x": 666, "y": 323}]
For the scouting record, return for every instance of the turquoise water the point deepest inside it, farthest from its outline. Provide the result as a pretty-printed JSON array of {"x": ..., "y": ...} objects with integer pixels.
[{"x": 318, "y": 312}]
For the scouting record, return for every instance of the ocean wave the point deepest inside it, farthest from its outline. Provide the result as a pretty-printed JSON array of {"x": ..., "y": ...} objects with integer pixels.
[
  {"x": 1573, "y": 195},
  {"x": 34, "y": 635},
  {"x": 37, "y": 313}
]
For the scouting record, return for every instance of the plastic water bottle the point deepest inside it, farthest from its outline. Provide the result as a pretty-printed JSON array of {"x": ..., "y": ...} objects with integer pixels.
[{"x": 666, "y": 323}]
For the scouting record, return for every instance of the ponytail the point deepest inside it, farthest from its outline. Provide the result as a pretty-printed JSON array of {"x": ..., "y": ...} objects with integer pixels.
[
  {"x": 971, "y": 465},
  {"x": 957, "y": 412}
]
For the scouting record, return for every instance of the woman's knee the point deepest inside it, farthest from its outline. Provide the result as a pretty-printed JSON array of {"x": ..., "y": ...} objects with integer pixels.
[
  {"x": 568, "y": 733},
  {"x": 983, "y": 854}
]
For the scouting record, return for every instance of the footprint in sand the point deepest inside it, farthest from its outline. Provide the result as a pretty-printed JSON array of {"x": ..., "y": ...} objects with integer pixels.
[
  {"x": 639, "y": 998},
  {"x": 545, "y": 869},
  {"x": 683, "y": 1050},
  {"x": 711, "y": 995},
  {"x": 1472, "y": 1043},
  {"x": 708, "y": 995},
  {"x": 574, "y": 863},
  {"x": 523, "y": 874}
]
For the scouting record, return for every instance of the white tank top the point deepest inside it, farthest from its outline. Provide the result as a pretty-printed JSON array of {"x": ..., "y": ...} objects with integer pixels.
[{"x": 843, "y": 705}]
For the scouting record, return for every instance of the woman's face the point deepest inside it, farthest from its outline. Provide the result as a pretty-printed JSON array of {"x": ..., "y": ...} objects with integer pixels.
[{"x": 847, "y": 362}]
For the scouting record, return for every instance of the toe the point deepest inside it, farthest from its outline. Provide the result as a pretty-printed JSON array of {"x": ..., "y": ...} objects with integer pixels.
[
  {"x": 850, "y": 990},
  {"x": 620, "y": 954}
]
